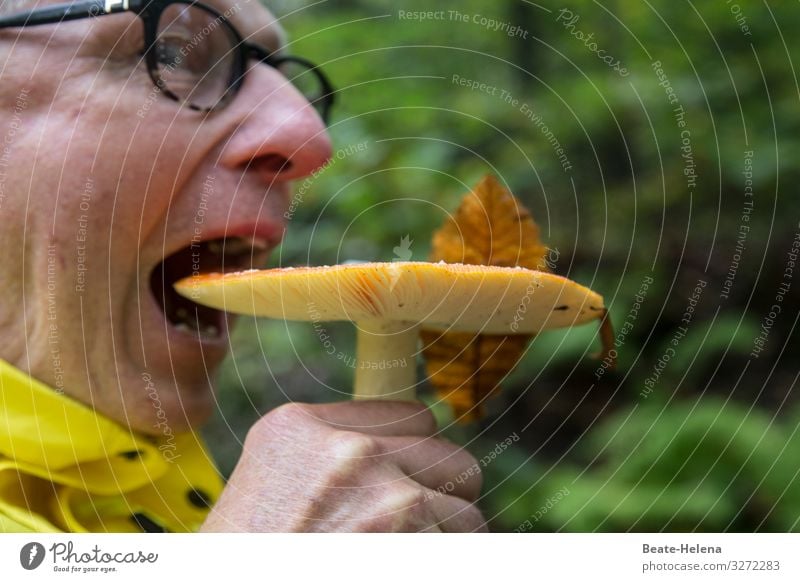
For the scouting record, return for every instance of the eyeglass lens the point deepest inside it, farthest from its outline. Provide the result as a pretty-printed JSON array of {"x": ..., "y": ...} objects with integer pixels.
[{"x": 196, "y": 55}]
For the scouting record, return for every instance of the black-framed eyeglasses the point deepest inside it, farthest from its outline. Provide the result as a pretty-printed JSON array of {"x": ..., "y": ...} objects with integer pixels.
[{"x": 193, "y": 53}]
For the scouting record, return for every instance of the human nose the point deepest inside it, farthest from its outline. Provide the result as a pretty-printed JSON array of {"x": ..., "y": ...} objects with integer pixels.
[{"x": 279, "y": 135}]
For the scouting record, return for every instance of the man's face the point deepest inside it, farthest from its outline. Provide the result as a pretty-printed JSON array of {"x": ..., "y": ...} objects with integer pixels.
[{"x": 102, "y": 179}]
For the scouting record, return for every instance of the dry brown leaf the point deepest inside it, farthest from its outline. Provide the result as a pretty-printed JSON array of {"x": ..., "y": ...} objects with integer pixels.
[{"x": 489, "y": 228}]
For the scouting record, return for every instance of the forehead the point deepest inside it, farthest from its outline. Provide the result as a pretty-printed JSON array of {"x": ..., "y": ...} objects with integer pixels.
[{"x": 253, "y": 20}]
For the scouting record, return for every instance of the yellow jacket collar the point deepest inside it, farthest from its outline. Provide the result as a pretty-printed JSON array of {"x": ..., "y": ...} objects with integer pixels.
[
  {"x": 48, "y": 436},
  {"x": 65, "y": 432}
]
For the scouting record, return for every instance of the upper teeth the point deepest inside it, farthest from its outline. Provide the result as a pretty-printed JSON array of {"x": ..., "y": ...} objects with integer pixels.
[
  {"x": 237, "y": 246},
  {"x": 256, "y": 243}
]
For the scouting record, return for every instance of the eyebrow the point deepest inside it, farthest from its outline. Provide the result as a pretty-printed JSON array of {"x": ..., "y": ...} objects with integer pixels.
[
  {"x": 277, "y": 36},
  {"x": 272, "y": 37}
]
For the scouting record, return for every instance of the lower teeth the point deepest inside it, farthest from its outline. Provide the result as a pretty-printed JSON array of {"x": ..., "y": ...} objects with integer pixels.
[
  {"x": 207, "y": 331},
  {"x": 191, "y": 325},
  {"x": 184, "y": 327}
]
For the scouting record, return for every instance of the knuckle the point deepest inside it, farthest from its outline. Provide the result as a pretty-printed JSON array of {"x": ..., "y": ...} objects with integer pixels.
[
  {"x": 428, "y": 421},
  {"x": 350, "y": 445},
  {"x": 350, "y": 455},
  {"x": 406, "y": 509},
  {"x": 474, "y": 518},
  {"x": 288, "y": 414},
  {"x": 256, "y": 434},
  {"x": 283, "y": 420},
  {"x": 474, "y": 482},
  {"x": 456, "y": 515},
  {"x": 405, "y": 498},
  {"x": 401, "y": 509},
  {"x": 470, "y": 478}
]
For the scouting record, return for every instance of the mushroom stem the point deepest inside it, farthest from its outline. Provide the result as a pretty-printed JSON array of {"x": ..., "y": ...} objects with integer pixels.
[{"x": 386, "y": 360}]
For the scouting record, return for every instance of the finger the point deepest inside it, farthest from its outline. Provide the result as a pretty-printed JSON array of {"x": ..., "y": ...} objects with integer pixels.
[
  {"x": 436, "y": 464},
  {"x": 377, "y": 417},
  {"x": 453, "y": 514}
]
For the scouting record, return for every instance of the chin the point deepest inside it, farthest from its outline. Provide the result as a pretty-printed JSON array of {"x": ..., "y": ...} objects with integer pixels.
[
  {"x": 173, "y": 408},
  {"x": 156, "y": 402}
]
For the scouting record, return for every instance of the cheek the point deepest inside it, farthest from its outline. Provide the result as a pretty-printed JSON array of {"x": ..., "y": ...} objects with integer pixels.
[
  {"x": 127, "y": 166},
  {"x": 98, "y": 150}
]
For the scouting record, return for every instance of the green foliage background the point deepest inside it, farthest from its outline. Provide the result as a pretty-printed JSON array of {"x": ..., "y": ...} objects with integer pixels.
[{"x": 713, "y": 445}]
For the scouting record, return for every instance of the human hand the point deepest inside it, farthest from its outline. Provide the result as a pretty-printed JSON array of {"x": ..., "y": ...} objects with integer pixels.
[{"x": 371, "y": 466}]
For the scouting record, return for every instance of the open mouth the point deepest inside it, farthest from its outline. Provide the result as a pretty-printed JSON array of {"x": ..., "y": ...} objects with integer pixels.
[{"x": 222, "y": 255}]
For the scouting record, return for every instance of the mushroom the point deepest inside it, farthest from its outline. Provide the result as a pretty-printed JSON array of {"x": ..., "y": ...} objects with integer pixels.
[{"x": 391, "y": 302}]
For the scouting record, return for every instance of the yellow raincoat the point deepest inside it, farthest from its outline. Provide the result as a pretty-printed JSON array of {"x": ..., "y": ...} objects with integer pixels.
[{"x": 63, "y": 467}]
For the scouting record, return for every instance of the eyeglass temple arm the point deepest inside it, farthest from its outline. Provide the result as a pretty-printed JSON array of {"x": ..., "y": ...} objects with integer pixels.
[
  {"x": 275, "y": 60},
  {"x": 328, "y": 95},
  {"x": 70, "y": 11}
]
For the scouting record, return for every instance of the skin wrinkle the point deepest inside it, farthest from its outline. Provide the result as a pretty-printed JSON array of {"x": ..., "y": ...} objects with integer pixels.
[
  {"x": 11, "y": 6},
  {"x": 81, "y": 123}
]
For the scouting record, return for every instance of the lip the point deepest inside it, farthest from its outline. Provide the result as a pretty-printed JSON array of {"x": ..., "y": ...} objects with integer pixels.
[
  {"x": 271, "y": 232},
  {"x": 181, "y": 343}
]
